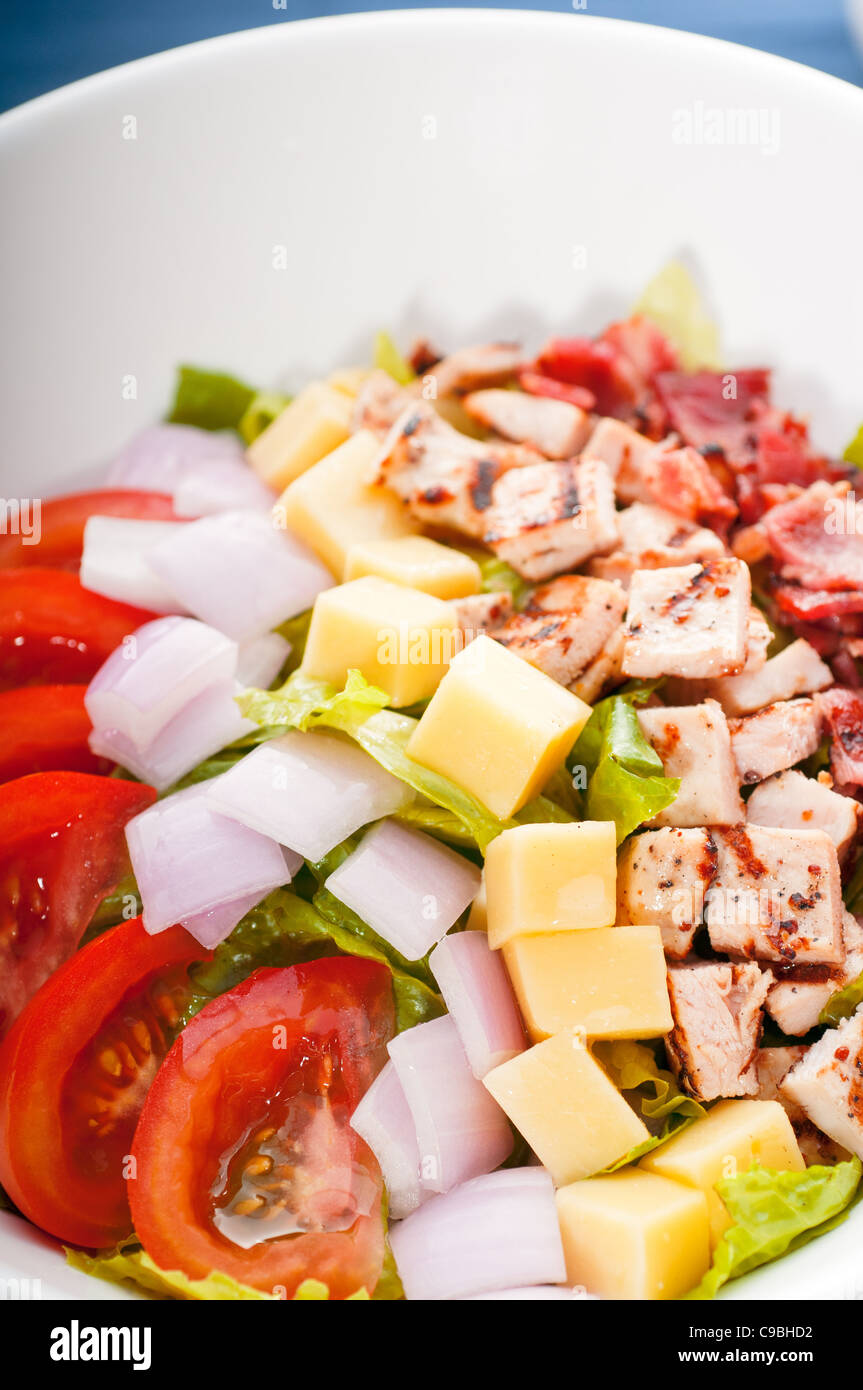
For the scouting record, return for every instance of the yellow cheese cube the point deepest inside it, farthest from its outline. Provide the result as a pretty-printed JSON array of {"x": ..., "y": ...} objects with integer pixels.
[
  {"x": 551, "y": 878},
  {"x": 608, "y": 983},
  {"x": 477, "y": 918},
  {"x": 419, "y": 563},
  {"x": 733, "y": 1136},
  {"x": 349, "y": 380},
  {"x": 632, "y": 1235},
  {"x": 498, "y": 727},
  {"x": 316, "y": 421},
  {"x": 559, "y": 1097},
  {"x": 333, "y": 505},
  {"x": 401, "y": 640}
]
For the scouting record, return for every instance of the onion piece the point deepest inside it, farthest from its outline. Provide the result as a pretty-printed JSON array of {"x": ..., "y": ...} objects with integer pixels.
[
  {"x": 408, "y": 886},
  {"x": 473, "y": 981},
  {"x": 309, "y": 791},
  {"x": 459, "y": 1133},
  {"x": 116, "y": 556},
  {"x": 203, "y": 727},
  {"x": 384, "y": 1120},
  {"x": 533, "y": 1292},
  {"x": 190, "y": 863},
  {"x": 261, "y": 660},
  {"x": 221, "y": 485},
  {"x": 210, "y": 928},
  {"x": 155, "y": 673},
  {"x": 240, "y": 572},
  {"x": 496, "y": 1232},
  {"x": 159, "y": 457}
]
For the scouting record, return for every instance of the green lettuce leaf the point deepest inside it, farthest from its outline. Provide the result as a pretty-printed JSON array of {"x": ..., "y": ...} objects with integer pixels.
[
  {"x": 854, "y": 451},
  {"x": 261, "y": 412},
  {"x": 664, "y": 1108},
  {"x": 388, "y": 358},
  {"x": 671, "y": 301},
  {"x": 210, "y": 400},
  {"x": 625, "y": 778},
  {"x": 130, "y": 1263},
  {"x": 842, "y": 1002},
  {"x": 497, "y": 576},
  {"x": 773, "y": 1213}
]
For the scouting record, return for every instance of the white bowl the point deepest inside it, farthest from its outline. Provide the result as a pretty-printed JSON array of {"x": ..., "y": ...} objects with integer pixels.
[{"x": 458, "y": 173}]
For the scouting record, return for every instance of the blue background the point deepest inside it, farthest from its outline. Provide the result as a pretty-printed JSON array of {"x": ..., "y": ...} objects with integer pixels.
[{"x": 46, "y": 43}]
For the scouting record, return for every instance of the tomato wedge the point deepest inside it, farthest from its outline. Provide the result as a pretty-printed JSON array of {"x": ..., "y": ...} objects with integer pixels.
[
  {"x": 245, "y": 1158},
  {"x": 45, "y": 729},
  {"x": 62, "y": 520},
  {"x": 62, "y": 850},
  {"x": 54, "y": 631},
  {"x": 74, "y": 1071}
]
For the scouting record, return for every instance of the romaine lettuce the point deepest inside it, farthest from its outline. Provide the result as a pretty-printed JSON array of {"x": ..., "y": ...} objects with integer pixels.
[
  {"x": 388, "y": 358},
  {"x": 261, "y": 412},
  {"x": 625, "y": 778},
  {"x": 671, "y": 301},
  {"x": 664, "y": 1108},
  {"x": 854, "y": 451},
  {"x": 210, "y": 400}
]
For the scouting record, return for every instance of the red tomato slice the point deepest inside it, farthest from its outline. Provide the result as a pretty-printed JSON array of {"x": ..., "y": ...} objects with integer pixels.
[
  {"x": 45, "y": 729},
  {"x": 74, "y": 1072},
  {"x": 53, "y": 631},
  {"x": 62, "y": 520},
  {"x": 245, "y": 1159},
  {"x": 62, "y": 850}
]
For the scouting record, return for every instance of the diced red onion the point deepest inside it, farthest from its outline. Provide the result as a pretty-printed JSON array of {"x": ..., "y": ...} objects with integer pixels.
[
  {"x": 208, "y": 723},
  {"x": 309, "y": 791},
  {"x": 116, "y": 561},
  {"x": 221, "y": 485},
  {"x": 459, "y": 1134},
  {"x": 383, "y": 1118},
  {"x": 261, "y": 660},
  {"x": 496, "y": 1232},
  {"x": 473, "y": 981},
  {"x": 159, "y": 457},
  {"x": 408, "y": 886},
  {"x": 240, "y": 572},
  {"x": 155, "y": 673},
  {"x": 192, "y": 865}
]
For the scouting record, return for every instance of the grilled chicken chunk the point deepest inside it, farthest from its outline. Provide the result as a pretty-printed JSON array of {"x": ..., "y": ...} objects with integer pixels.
[
  {"x": 379, "y": 403},
  {"x": 603, "y": 672},
  {"x": 773, "y": 1065},
  {"x": 827, "y": 1083},
  {"x": 718, "y": 1020},
  {"x": 688, "y": 621},
  {"x": 794, "y": 802},
  {"x": 551, "y": 517},
  {"x": 556, "y": 428},
  {"x": 624, "y": 450},
  {"x": 796, "y": 999},
  {"x": 758, "y": 638},
  {"x": 777, "y": 896},
  {"x": 472, "y": 368},
  {"x": 662, "y": 878},
  {"x": 775, "y": 738},
  {"x": 694, "y": 745},
  {"x": 796, "y": 670},
  {"x": 565, "y": 625},
  {"x": 654, "y": 538},
  {"x": 481, "y": 613}
]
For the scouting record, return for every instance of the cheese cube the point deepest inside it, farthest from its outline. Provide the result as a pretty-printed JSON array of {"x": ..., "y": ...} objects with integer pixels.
[
  {"x": 608, "y": 983},
  {"x": 349, "y": 380},
  {"x": 632, "y": 1235},
  {"x": 498, "y": 727},
  {"x": 333, "y": 506},
  {"x": 401, "y": 640},
  {"x": 316, "y": 421},
  {"x": 419, "y": 563},
  {"x": 733, "y": 1136},
  {"x": 551, "y": 878},
  {"x": 572, "y": 1116}
]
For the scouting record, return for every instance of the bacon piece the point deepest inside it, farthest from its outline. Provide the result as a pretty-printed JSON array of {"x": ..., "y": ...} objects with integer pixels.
[
  {"x": 717, "y": 410},
  {"x": 814, "y": 605},
  {"x": 843, "y": 713},
  {"x": 538, "y": 385},
  {"x": 681, "y": 480},
  {"x": 816, "y": 539}
]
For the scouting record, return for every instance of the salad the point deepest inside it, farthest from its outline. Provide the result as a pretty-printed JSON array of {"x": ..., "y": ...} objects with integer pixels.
[{"x": 430, "y": 837}]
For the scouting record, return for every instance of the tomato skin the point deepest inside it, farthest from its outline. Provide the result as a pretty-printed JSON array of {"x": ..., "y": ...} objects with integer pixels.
[
  {"x": 215, "y": 1085},
  {"x": 62, "y": 850},
  {"x": 45, "y": 729},
  {"x": 53, "y": 631},
  {"x": 62, "y": 521},
  {"x": 45, "y": 1099}
]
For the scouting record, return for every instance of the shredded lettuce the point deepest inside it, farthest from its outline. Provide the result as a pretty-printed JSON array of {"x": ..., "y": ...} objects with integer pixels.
[
  {"x": 497, "y": 576},
  {"x": 854, "y": 451},
  {"x": 671, "y": 301},
  {"x": 261, "y": 412},
  {"x": 210, "y": 400},
  {"x": 130, "y": 1263},
  {"x": 664, "y": 1108},
  {"x": 388, "y": 358},
  {"x": 773, "y": 1213},
  {"x": 626, "y": 782}
]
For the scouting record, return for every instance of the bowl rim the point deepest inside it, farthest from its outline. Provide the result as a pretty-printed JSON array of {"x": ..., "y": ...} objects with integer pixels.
[{"x": 321, "y": 29}]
